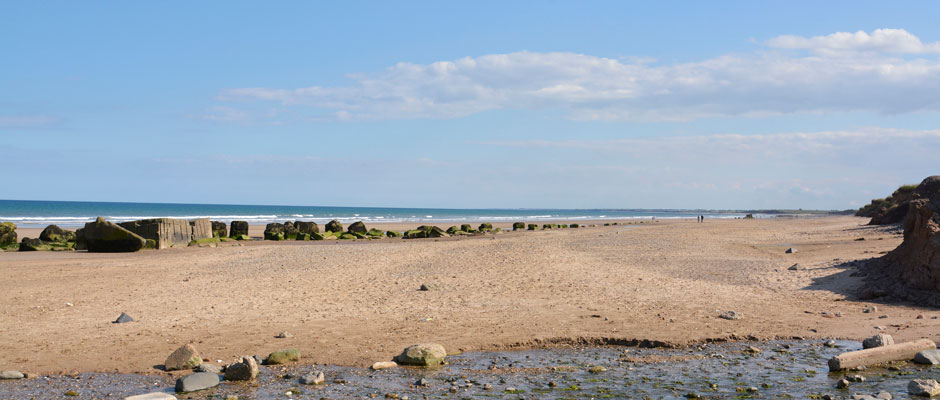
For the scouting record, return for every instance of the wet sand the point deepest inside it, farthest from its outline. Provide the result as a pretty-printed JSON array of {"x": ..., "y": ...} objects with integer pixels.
[{"x": 353, "y": 303}]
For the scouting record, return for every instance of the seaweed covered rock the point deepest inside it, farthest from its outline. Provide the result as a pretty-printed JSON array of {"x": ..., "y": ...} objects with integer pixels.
[
  {"x": 424, "y": 355},
  {"x": 306, "y": 227},
  {"x": 107, "y": 237},
  {"x": 518, "y": 226},
  {"x": 238, "y": 228},
  {"x": 466, "y": 228},
  {"x": 393, "y": 234},
  {"x": 334, "y": 226},
  {"x": 486, "y": 226},
  {"x": 375, "y": 233},
  {"x": 453, "y": 230},
  {"x": 282, "y": 357},
  {"x": 7, "y": 234},
  {"x": 53, "y": 233},
  {"x": 275, "y": 231},
  {"x": 533, "y": 227},
  {"x": 31, "y": 245},
  {"x": 219, "y": 229},
  {"x": 357, "y": 227}
]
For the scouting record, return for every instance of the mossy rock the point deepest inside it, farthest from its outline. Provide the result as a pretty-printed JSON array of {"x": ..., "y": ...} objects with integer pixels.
[
  {"x": 452, "y": 230},
  {"x": 548, "y": 226},
  {"x": 303, "y": 236},
  {"x": 291, "y": 236},
  {"x": 563, "y": 225},
  {"x": 242, "y": 237},
  {"x": 376, "y": 233},
  {"x": 533, "y": 227},
  {"x": 574, "y": 225},
  {"x": 53, "y": 233},
  {"x": 393, "y": 234},
  {"x": 415, "y": 234},
  {"x": 334, "y": 226},
  {"x": 150, "y": 244},
  {"x": 486, "y": 226},
  {"x": 32, "y": 245},
  {"x": 7, "y": 234},
  {"x": 424, "y": 355},
  {"x": 104, "y": 236},
  {"x": 238, "y": 228},
  {"x": 219, "y": 229},
  {"x": 282, "y": 357},
  {"x": 316, "y": 236},
  {"x": 275, "y": 231},
  {"x": 518, "y": 226},
  {"x": 466, "y": 228},
  {"x": 357, "y": 227},
  {"x": 348, "y": 236}
]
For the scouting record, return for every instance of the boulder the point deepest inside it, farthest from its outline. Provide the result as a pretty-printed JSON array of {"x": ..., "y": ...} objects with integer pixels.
[
  {"x": 928, "y": 357},
  {"x": 415, "y": 234},
  {"x": 196, "y": 381},
  {"x": 244, "y": 369},
  {"x": 924, "y": 388},
  {"x": 313, "y": 378},
  {"x": 32, "y": 245},
  {"x": 185, "y": 357},
  {"x": 486, "y": 226},
  {"x": 533, "y": 227},
  {"x": 241, "y": 237},
  {"x": 334, "y": 226},
  {"x": 307, "y": 227},
  {"x": 282, "y": 357},
  {"x": 466, "y": 228},
  {"x": 357, "y": 227},
  {"x": 275, "y": 231},
  {"x": 425, "y": 355},
  {"x": 11, "y": 375},
  {"x": 518, "y": 226},
  {"x": 104, "y": 236},
  {"x": 452, "y": 230},
  {"x": 878, "y": 340},
  {"x": 53, "y": 233},
  {"x": 375, "y": 233},
  {"x": 238, "y": 228},
  {"x": 219, "y": 229},
  {"x": 574, "y": 226},
  {"x": 548, "y": 226},
  {"x": 393, "y": 234},
  {"x": 7, "y": 234}
]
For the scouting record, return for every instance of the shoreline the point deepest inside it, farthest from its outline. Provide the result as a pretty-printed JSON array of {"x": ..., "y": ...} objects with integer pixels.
[{"x": 356, "y": 304}]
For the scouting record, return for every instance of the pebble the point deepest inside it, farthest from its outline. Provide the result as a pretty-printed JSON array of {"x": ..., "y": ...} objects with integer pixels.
[
  {"x": 791, "y": 250},
  {"x": 730, "y": 315},
  {"x": 842, "y": 384},
  {"x": 384, "y": 365},
  {"x": 794, "y": 267},
  {"x": 869, "y": 310},
  {"x": 284, "y": 335},
  {"x": 152, "y": 396},
  {"x": 422, "y": 382},
  {"x": 831, "y": 343}
]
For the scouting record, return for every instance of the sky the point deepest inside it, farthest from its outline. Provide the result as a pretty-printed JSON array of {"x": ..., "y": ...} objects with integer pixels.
[{"x": 484, "y": 104}]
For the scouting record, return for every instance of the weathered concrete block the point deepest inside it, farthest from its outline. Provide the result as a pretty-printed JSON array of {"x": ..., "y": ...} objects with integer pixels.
[
  {"x": 201, "y": 229},
  {"x": 877, "y": 355}
]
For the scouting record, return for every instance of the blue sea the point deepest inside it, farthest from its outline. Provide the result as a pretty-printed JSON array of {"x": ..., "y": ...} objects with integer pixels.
[{"x": 29, "y": 213}]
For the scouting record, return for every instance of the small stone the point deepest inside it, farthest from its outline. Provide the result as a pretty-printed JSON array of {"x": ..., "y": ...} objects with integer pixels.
[
  {"x": 692, "y": 395},
  {"x": 422, "y": 382},
  {"x": 929, "y": 357},
  {"x": 152, "y": 396},
  {"x": 123, "y": 318},
  {"x": 869, "y": 310},
  {"x": 196, "y": 381},
  {"x": 245, "y": 369},
  {"x": 730, "y": 315},
  {"x": 878, "y": 340},
  {"x": 597, "y": 369},
  {"x": 424, "y": 288},
  {"x": 752, "y": 350},
  {"x": 884, "y": 396},
  {"x": 791, "y": 251},
  {"x": 284, "y": 335},
  {"x": 552, "y": 384},
  {"x": 842, "y": 384},
  {"x": 11, "y": 375},
  {"x": 210, "y": 368},
  {"x": 384, "y": 365},
  {"x": 794, "y": 267},
  {"x": 920, "y": 316},
  {"x": 71, "y": 393},
  {"x": 313, "y": 378},
  {"x": 830, "y": 343},
  {"x": 924, "y": 387},
  {"x": 856, "y": 378}
]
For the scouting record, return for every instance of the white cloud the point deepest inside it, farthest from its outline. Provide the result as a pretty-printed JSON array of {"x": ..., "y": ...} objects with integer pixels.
[
  {"x": 881, "y": 40},
  {"x": 845, "y": 73}
]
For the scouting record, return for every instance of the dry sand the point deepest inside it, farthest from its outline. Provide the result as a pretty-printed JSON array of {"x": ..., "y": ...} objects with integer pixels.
[{"x": 354, "y": 303}]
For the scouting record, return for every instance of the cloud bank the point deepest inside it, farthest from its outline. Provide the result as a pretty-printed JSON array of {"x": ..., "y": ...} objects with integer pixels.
[{"x": 888, "y": 71}]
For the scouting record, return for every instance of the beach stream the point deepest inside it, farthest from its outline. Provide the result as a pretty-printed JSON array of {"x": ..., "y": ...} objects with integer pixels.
[{"x": 780, "y": 369}]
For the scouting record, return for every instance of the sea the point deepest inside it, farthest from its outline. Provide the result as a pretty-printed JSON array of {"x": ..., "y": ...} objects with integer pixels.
[{"x": 35, "y": 213}]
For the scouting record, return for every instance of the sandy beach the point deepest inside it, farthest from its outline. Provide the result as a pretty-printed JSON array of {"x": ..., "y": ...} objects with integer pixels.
[{"x": 357, "y": 302}]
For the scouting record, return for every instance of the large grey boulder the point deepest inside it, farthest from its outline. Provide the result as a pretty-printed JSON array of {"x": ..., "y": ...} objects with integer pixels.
[
  {"x": 185, "y": 357},
  {"x": 425, "y": 355},
  {"x": 929, "y": 357},
  {"x": 244, "y": 369},
  {"x": 196, "y": 381},
  {"x": 105, "y": 236},
  {"x": 924, "y": 388}
]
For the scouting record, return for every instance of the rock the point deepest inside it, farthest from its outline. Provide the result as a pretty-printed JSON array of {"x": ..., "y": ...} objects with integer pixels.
[
  {"x": 32, "y": 245},
  {"x": 313, "y": 378},
  {"x": 211, "y": 368},
  {"x": 869, "y": 310},
  {"x": 791, "y": 251},
  {"x": 275, "y": 231},
  {"x": 428, "y": 354},
  {"x": 104, "y": 236},
  {"x": 334, "y": 226},
  {"x": 375, "y": 233},
  {"x": 884, "y": 396},
  {"x": 485, "y": 227},
  {"x": 435, "y": 232},
  {"x": 452, "y": 230},
  {"x": 878, "y": 340},
  {"x": 185, "y": 357},
  {"x": 393, "y": 234},
  {"x": 924, "y": 387},
  {"x": 11, "y": 375},
  {"x": 466, "y": 228},
  {"x": 196, "y": 381},
  {"x": 929, "y": 357},
  {"x": 842, "y": 384},
  {"x": 422, "y": 382},
  {"x": 533, "y": 227},
  {"x": 152, "y": 396},
  {"x": 123, "y": 318},
  {"x": 282, "y": 357},
  {"x": 307, "y": 227},
  {"x": 284, "y": 335},
  {"x": 380, "y": 365},
  {"x": 357, "y": 227},
  {"x": 218, "y": 229},
  {"x": 238, "y": 228},
  {"x": 573, "y": 226},
  {"x": 53, "y": 233},
  {"x": 597, "y": 369},
  {"x": 794, "y": 267},
  {"x": 7, "y": 234},
  {"x": 518, "y": 226},
  {"x": 424, "y": 288},
  {"x": 244, "y": 369},
  {"x": 730, "y": 315}
]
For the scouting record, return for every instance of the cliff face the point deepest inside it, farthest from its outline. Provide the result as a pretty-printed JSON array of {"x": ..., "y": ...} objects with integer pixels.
[
  {"x": 917, "y": 259},
  {"x": 889, "y": 210}
]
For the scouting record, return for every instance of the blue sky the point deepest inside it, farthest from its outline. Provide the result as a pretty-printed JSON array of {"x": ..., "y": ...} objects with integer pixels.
[{"x": 434, "y": 104}]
